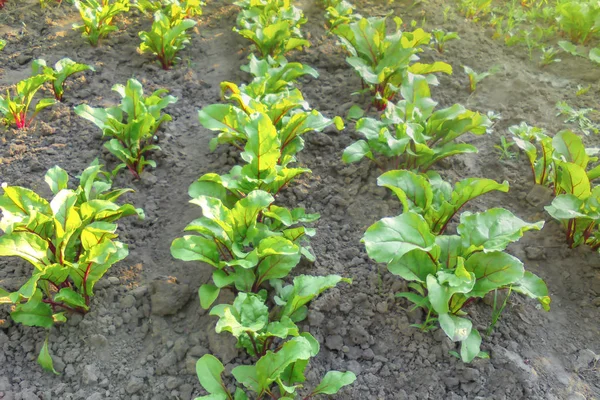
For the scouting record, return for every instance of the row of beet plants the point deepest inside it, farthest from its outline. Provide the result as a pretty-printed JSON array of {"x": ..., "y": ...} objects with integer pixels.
[
  {"x": 446, "y": 272},
  {"x": 252, "y": 243},
  {"x": 70, "y": 240}
]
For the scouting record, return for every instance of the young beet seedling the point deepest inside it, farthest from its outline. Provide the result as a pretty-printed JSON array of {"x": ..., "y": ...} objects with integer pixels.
[
  {"x": 441, "y": 37},
  {"x": 548, "y": 56},
  {"x": 61, "y": 71},
  {"x": 97, "y": 16},
  {"x": 16, "y": 109},
  {"x": 2, "y": 44},
  {"x": 475, "y": 77},
  {"x": 69, "y": 241},
  {"x": 166, "y": 38},
  {"x": 384, "y": 61},
  {"x": 132, "y": 135}
]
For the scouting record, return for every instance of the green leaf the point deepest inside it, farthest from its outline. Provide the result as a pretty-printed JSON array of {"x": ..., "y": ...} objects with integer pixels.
[
  {"x": 594, "y": 55},
  {"x": 333, "y": 381},
  {"x": 70, "y": 298},
  {"x": 471, "y": 347},
  {"x": 492, "y": 230},
  {"x": 209, "y": 370},
  {"x": 44, "y": 358},
  {"x": 208, "y": 294},
  {"x": 57, "y": 179},
  {"x": 26, "y": 245},
  {"x": 534, "y": 287},
  {"x": 195, "y": 248},
  {"x": 272, "y": 365},
  {"x": 574, "y": 180},
  {"x": 457, "y": 328},
  {"x": 305, "y": 289},
  {"x": 356, "y": 152},
  {"x": 34, "y": 312},
  {"x": 391, "y": 238},
  {"x": 493, "y": 270},
  {"x": 355, "y": 112},
  {"x": 570, "y": 147}
]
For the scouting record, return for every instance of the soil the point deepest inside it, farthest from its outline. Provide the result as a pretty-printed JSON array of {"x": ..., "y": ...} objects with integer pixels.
[{"x": 146, "y": 328}]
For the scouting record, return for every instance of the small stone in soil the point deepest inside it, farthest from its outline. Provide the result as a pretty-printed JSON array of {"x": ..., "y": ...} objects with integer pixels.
[{"x": 334, "y": 342}]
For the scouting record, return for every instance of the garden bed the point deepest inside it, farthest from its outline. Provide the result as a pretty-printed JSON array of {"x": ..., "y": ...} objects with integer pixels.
[{"x": 146, "y": 328}]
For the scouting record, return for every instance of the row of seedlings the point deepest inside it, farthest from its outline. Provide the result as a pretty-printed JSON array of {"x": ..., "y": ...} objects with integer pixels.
[
  {"x": 446, "y": 272},
  {"x": 252, "y": 243},
  {"x": 70, "y": 240}
]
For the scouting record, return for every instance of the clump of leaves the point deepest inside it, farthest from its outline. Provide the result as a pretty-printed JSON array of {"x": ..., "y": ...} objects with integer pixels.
[
  {"x": 133, "y": 134},
  {"x": 166, "y": 38},
  {"x": 476, "y": 77},
  {"x": 342, "y": 12},
  {"x": 15, "y": 109},
  {"x": 98, "y": 16},
  {"x": 578, "y": 210},
  {"x": 291, "y": 361},
  {"x": 70, "y": 241},
  {"x": 270, "y": 76},
  {"x": 384, "y": 61},
  {"x": 263, "y": 169},
  {"x": 475, "y": 9},
  {"x": 262, "y": 334},
  {"x": 411, "y": 135},
  {"x": 432, "y": 197},
  {"x": 548, "y": 56},
  {"x": 448, "y": 272},
  {"x": 189, "y": 8},
  {"x": 440, "y": 38},
  {"x": 286, "y": 109},
  {"x": 579, "y": 20},
  {"x": 62, "y": 70},
  {"x": 248, "y": 243},
  {"x": 256, "y": 327},
  {"x": 504, "y": 149},
  {"x": 273, "y": 26},
  {"x": 547, "y": 154},
  {"x": 586, "y": 125}
]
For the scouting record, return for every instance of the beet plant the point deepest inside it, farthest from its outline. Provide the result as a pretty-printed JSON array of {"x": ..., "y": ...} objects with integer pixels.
[
  {"x": 273, "y": 26},
  {"x": 262, "y": 333},
  {"x": 62, "y": 70},
  {"x": 341, "y": 12},
  {"x": 263, "y": 170},
  {"x": 248, "y": 243},
  {"x": 2, "y": 44},
  {"x": 70, "y": 242},
  {"x": 448, "y": 272},
  {"x": 15, "y": 109},
  {"x": 98, "y": 16},
  {"x": 385, "y": 61},
  {"x": 283, "y": 369},
  {"x": 288, "y": 112},
  {"x": 412, "y": 134},
  {"x": 476, "y": 77},
  {"x": 166, "y": 38},
  {"x": 546, "y": 155},
  {"x": 578, "y": 20},
  {"x": 188, "y": 8},
  {"x": 578, "y": 210},
  {"x": 433, "y": 198},
  {"x": 132, "y": 125},
  {"x": 270, "y": 76},
  {"x": 440, "y": 38}
]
